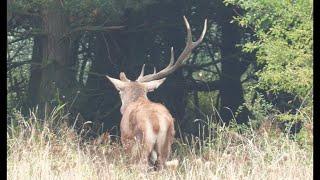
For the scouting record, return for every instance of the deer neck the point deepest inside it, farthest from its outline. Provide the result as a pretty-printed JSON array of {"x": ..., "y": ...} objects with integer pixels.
[{"x": 131, "y": 100}]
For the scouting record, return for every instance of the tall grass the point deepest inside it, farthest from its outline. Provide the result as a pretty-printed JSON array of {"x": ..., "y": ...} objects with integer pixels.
[{"x": 49, "y": 149}]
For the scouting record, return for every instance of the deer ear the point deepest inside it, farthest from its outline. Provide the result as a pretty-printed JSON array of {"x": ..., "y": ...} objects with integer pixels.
[
  {"x": 117, "y": 83},
  {"x": 152, "y": 85}
]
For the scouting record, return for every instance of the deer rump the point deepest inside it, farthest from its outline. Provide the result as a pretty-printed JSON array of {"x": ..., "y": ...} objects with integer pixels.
[{"x": 150, "y": 125}]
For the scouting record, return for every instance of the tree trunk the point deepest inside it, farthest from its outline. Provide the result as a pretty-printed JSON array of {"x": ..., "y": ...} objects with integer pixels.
[
  {"x": 231, "y": 91},
  {"x": 58, "y": 82},
  {"x": 35, "y": 69}
]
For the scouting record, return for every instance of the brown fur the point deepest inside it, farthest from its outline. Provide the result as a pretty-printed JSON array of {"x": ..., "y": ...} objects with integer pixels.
[{"x": 147, "y": 123}]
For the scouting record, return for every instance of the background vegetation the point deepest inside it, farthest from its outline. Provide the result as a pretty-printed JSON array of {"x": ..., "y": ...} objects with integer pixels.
[{"x": 254, "y": 70}]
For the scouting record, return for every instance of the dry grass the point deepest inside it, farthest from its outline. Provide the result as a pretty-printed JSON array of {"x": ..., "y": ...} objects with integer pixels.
[{"x": 43, "y": 151}]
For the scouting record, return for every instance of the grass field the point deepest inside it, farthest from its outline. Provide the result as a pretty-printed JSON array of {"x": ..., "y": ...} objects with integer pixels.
[{"x": 50, "y": 150}]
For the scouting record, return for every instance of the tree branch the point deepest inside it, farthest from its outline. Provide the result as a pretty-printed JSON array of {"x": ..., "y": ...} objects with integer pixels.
[
  {"x": 26, "y": 35},
  {"x": 95, "y": 28},
  {"x": 203, "y": 86},
  {"x": 198, "y": 85},
  {"x": 22, "y": 13},
  {"x": 12, "y": 65}
]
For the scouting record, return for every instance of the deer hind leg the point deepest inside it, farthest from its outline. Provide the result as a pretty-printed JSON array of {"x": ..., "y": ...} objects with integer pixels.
[
  {"x": 163, "y": 151},
  {"x": 164, "y": 147},
  {"x": 147, "y": 147},
  {"x": 146, "y": 152}
]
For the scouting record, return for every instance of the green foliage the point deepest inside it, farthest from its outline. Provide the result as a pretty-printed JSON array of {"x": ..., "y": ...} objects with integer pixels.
[
  {"x": 84, "y": 12},
  {"x": 27, "y": 6},
  {"x": 259, "y": 107},
  {"x": 206, "y": 101},
  {"x": 284, "y": 50},
  {"x": 284, "y": 44},
  {"x": 305, "y": 137},
  {"x": 18, "y": 72},
  {"x": 108, "y": 10}
]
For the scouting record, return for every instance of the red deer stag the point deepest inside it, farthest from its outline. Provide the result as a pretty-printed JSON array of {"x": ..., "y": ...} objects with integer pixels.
[{"x": 149, "y": 123}]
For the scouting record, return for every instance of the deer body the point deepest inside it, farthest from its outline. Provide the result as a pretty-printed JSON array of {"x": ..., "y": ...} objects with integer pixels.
[
  {"x": 144, "y": 122},
  {"x": 150, "y": 124}
]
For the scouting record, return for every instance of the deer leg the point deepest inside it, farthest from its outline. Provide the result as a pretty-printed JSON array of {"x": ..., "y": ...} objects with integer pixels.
[
  {"x": 163, "y": 149},
  {"x": 127, "y": 144},
  {"x": 162, "y": 153}
]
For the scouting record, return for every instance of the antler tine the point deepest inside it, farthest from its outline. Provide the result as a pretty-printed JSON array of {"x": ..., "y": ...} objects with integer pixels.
[
  {"x": 123, "y": 77},
  {"x": 141, "y": 73},
  {"x": 154, "y": 70},
  {"x": 172, "y": 57},
  {"x": 189, "y": 34},
  {"x": 202, "y": 34},
  {"x": 172, "y": 66}
]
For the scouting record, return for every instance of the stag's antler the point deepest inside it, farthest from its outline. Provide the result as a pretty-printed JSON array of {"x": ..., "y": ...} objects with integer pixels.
[{"x": 190, "y": 45}]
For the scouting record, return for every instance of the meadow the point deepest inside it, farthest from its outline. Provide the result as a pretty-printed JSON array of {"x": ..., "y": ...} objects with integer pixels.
[{"x": 50, "y": 149}]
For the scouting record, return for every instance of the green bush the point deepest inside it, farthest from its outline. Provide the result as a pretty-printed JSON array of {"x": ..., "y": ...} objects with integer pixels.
[{"x": 283, "y": 45}]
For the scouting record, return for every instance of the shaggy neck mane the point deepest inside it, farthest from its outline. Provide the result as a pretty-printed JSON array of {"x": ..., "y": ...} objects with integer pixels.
[{"x": 136, "y": 93}]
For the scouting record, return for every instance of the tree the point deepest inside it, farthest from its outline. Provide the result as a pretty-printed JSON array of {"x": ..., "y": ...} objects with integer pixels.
[
  {"x": 283, "y": 48},
  {"x": 73, "y": 44}
]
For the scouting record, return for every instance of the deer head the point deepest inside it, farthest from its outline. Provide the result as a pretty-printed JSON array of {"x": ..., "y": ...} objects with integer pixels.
[
  {"x": 131, "y": 91},
  {"x": 150, "y": 122}
]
